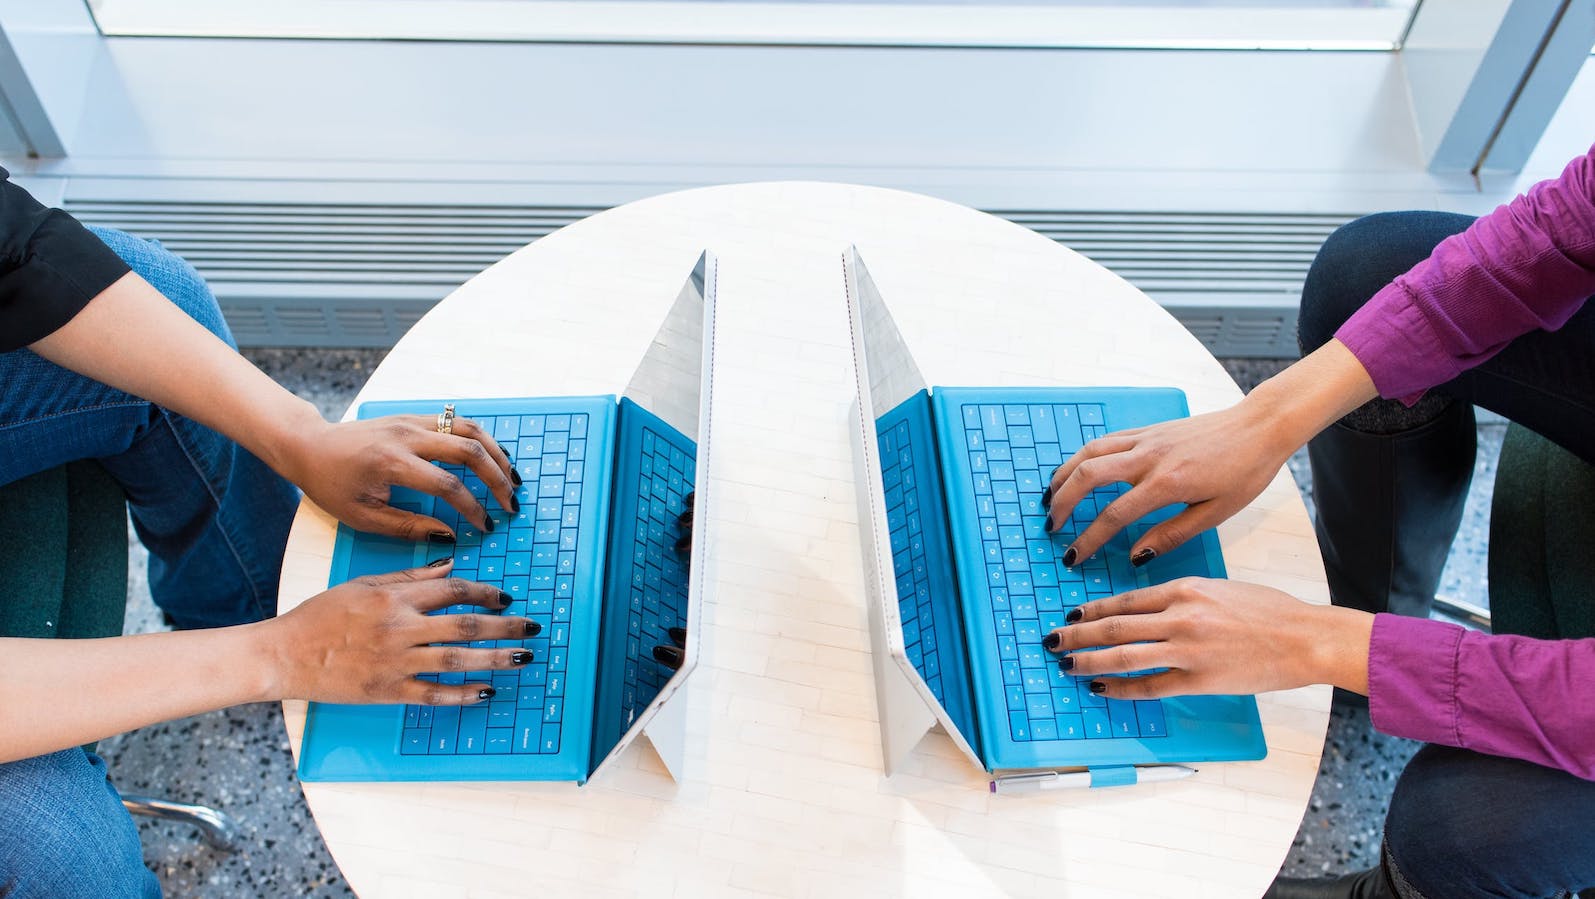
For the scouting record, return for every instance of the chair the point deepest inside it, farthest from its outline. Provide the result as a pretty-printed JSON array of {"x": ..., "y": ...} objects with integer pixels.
[
  {"x": 64, "y": 574},
  {"x": 1542, "y": 540}
]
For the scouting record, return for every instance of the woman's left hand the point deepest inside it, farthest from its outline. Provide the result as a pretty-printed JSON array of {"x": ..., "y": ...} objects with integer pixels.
[
  {"x": 1213, "y": 637},
  {"x": 348, "y": 469}
]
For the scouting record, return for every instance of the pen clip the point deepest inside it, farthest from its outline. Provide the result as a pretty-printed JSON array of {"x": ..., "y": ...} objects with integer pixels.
[
  {"x": 1038, "y": 777},
  {"x": 1113, "y": 776}
]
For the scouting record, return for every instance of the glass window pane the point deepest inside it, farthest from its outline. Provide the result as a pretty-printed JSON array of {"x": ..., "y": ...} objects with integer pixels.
[{"x": 1196, "y": 24}]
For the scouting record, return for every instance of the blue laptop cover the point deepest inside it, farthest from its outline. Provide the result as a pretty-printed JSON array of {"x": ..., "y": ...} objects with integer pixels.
[
  {"x": 979, "y": 582},
  {"x": 603, "y": 487}
]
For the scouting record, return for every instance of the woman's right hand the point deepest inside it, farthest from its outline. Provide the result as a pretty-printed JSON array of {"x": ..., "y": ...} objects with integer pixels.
[
  {"x": 366, "y": 640},
  {"x": 1214, "y": 463},
  {"x": 350, "y": 468}
]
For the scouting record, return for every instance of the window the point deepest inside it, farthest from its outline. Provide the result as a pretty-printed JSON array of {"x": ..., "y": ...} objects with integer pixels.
[{"x": 1152, "y": 24}]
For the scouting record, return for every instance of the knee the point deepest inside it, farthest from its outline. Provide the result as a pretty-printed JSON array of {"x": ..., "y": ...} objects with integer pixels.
[
  {"x": 1464, "y": 823},
  {"x": 170, "y": 274},
  {"x": 64, "y": 832},
  {"x": 1337, "y": 283}
]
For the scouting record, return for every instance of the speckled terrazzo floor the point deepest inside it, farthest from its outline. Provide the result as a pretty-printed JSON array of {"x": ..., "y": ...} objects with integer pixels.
[{"x": 238, "y": 759}]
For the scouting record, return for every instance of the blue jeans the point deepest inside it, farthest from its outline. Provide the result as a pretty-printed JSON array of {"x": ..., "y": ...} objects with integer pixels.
[
  {"x": 215, "y": 520},
  {"x": 63, "y": 832},
  {"x": 1461, "y": 823}
]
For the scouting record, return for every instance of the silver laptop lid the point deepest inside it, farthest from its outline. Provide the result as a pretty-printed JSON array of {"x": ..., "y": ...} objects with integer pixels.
[
  {"x": 675, "y": 381},
  {"x": 879, "y": 349},
  {"x": 669, "y": 381},
  {"x": 886, "y": 376}
]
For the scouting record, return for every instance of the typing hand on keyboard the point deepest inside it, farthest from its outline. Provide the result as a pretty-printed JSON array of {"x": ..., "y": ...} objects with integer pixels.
[
  {"x": 1216, "y": 463},
  {"x": 348, "y": 469},
  {"x": 366, "y": 640},
  {"x": 1211, "y": 637}
]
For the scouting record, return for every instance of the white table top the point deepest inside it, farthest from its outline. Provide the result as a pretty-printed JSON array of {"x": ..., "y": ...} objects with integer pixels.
[{"x": 784, "y": 792}]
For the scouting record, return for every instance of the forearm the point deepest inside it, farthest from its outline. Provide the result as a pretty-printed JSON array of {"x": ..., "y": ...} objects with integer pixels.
[
  {"x": 1308, "y": 396},
  {"x": 134, "y": 339},
  {"x": 63, "y": 693}
]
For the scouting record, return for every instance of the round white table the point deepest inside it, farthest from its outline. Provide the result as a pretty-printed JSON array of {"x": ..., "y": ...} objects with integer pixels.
[{"x": 783, "y": 791}]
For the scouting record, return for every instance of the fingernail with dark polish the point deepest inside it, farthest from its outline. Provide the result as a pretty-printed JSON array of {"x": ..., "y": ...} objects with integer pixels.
[
  {"x": 678, "y": 636},
  {"x": 1050, "y": 526},
  {"x": 1073, "y": 616},
  {"x": 1051, "y": 641},
  {"x": 521, "y": 657},
  {"x": 485, "y": 693},
  {"x": 515, "y": 504},
  {"x": 490, "y": 525},
  {"x": 1142, "y": 556},
  {"x": 439, "y": 563},
  {"x": 515, "y": 477},
  {"x": 1066, "y": 663},
  {"x": 669, "y": 656},
  {"x": 443, "y": 537},
  {"x": 1098, "y": 687},
  {"x": 504, "y": 599},
  {"x": 1070, "y": 556},
  {"x": 1046, "y": 497},
  {"x": 533, "y": 628}
]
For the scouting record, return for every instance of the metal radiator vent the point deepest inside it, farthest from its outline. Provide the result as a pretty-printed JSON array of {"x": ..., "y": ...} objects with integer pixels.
[{"x": 309, "y": 274}]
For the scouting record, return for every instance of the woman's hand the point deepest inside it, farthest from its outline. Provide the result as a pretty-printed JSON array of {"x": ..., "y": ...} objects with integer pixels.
[
  {"x": 1214, "y": 463},
  {"x": 348, "y": 468},
  {"x": 134, "y": 339},
  {"x": 1214, "y": 637},
  {"x": 365, "y": 641}
]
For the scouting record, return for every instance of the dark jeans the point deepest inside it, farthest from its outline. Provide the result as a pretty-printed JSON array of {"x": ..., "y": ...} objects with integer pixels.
[
  {"x": 215, "y": 520},
  {"x": 1462, "y": 823},
  {"x": 1544, "y": 380}
]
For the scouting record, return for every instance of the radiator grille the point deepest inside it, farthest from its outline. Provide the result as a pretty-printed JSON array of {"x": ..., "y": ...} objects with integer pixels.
[{"x": 308, "y": 274}]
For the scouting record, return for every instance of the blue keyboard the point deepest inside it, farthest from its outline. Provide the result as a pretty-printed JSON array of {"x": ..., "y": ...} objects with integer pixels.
[
  {"x": 532, "y": 557},
  {"x": 659, "y": 572},
  {"x": 656, "y": 468},
  {"x": 922, "y": 559},
  {"x": 980, "y": 582},
  {"x": 552, "y": 557},
  {"x": 1012, "y": 450},
  {"x": 910, "y": 565}
]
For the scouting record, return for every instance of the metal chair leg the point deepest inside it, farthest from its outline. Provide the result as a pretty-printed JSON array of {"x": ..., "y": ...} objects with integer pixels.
[{"x": 216, "y": 828}]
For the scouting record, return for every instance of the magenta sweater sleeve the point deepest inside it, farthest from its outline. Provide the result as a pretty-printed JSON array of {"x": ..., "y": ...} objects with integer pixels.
[
  {"x": 1529, "y": 264},
  {"x": 1502, "y": 695}
]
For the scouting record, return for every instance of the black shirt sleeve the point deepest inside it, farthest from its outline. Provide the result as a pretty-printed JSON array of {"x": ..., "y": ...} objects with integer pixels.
[{"x": 50, "y": 267}]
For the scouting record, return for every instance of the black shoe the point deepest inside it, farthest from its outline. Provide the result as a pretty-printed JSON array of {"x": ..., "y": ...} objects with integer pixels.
[
  {"x": 1369, "y": 884},
  {"x": 678, "y": 636},
  {"x": 670, "y": 657}
]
